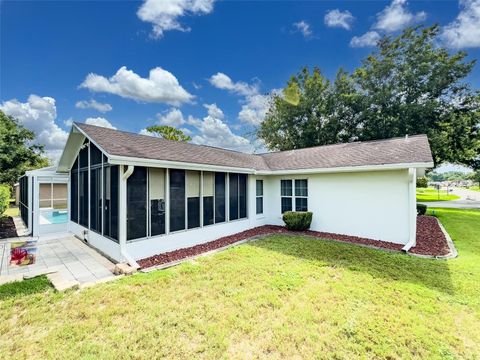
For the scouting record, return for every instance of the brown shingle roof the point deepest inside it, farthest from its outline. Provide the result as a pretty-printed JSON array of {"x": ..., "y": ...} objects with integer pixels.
[{"x": 414, "y": 149}]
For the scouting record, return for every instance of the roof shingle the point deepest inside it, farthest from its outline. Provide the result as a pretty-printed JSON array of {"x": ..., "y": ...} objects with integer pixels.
[{"x": 414, "y": 149}]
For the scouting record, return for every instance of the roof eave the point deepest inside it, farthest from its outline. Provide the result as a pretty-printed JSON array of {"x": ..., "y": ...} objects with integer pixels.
[{"x": 382, "y": 167}]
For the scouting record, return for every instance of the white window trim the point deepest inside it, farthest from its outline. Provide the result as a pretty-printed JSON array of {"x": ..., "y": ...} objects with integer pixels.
[
  {"x": 293, "y": 196},
  {"x": 259, "y": 196}
]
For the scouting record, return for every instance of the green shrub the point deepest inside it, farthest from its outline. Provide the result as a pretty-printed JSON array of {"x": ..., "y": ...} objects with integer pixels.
[
  {"x": 422, "y": 182},
  {"x": 421, "y": 209},
  {"x": 297, "y": 220},
  {"x": 4, "y": 198}
]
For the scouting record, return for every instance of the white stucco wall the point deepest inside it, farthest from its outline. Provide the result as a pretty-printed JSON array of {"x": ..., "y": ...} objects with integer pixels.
[{"x": 372, "y": 204}]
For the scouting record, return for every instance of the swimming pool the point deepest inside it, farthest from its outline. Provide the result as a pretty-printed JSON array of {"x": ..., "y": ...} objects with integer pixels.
[{"x": 53, "y": 217}]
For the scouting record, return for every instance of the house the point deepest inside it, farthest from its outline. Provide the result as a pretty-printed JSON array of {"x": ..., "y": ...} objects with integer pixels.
[{"x": 132, "y": 196}]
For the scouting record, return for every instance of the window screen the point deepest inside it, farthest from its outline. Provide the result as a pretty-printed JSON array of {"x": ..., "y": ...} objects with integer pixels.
[
  {"x": 137, "y": 204},
  {"x": 259, "y": 196},
  {"x": 219, "y": 197},
  {"x": 156, "y": 185},
  {"x": 193, "y": 199},
  {"x": 74, "y": 197},
  {"x": 110, "y": 207},
  {"x": 233, "y": 197},
  {"x": 83, "y": 197},
  {"x": 208, "y": 192},
  {"x": 95, "y": 155},
  {"x": 242, "y": 195},
  {"x": 177, "y": 200},
  {"x": 96, "y": 199}
]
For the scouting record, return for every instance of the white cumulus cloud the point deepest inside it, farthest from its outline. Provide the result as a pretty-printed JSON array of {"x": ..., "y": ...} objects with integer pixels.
[
  {"x": 38, "y": 114},
  {"x": 254, "y": 110},
  {"x": 370, "y": 38},
  {"x": 99, "y": 121},
  {"x": 464, "y": 31},
  {"x": 223, "y": 81},
  {"x": 214, "y": 111},
  {"x": 338, "y": 18},
  {"x": 160, "y": 87},
  {"x": 164, "y": 15},
  {"x": 304, "y": 28},
  {"x": 172, "y": 117},
  {"x": 93, "y": 104},
  {"x": 397, "y": 16}
]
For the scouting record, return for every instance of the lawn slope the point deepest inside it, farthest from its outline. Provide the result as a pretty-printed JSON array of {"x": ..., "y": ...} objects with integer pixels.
[{"x": 278, "y": 297}]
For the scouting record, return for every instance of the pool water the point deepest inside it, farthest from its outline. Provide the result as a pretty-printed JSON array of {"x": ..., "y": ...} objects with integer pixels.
[{"x": 54, "y": 217}]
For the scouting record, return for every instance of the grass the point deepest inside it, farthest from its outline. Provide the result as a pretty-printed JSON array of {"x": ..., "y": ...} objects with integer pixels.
[
  {"x": 475, "y": 188},
  {"x": 278, "y": 297},
  {"x": 23, "y": 288},
  {"x": 12, "y": 211},
  {"x": 431, "y": 194}
]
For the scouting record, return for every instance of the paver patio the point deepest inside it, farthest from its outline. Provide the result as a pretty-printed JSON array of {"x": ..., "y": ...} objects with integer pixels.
[{"x": 72, "y": 261}]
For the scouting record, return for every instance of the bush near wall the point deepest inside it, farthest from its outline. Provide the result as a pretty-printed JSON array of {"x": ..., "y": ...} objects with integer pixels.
[
  {"x": 421, "y": 209},
  {"x": 297, "y": 220},
  {"x": 4, "y": 198},
  {"x": 422, "y": 182}
]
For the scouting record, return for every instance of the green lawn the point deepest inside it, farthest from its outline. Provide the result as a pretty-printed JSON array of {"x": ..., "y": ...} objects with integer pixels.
[
  {"x": 431, "y": 194},
  {"x": 12, "y": 211},
  {"x": 475, "y": 188},
  {"x": 279, "y": 297}
]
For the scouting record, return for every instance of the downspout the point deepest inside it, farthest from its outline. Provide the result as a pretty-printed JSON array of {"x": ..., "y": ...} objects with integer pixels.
[
  {"x": 412, "y": 209},
  {"x": 123, "y": 218}
]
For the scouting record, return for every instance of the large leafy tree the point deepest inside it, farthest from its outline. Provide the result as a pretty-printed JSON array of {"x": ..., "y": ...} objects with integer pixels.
[
  {"x": 409, "y": 85},
  {"x": 168, "y": 133},
  {"x": 17, "y": 151}
]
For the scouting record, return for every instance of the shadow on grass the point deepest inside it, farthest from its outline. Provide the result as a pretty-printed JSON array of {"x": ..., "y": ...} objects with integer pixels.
[
  {"x": 26, "y": 287},
  {"x": 434, "y": 274}
]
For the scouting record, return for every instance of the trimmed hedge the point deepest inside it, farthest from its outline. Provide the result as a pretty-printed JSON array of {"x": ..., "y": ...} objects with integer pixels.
[
  {"x": 297, "y": 220},
  {"x": 421, "y": 209},
  {"x": 422, "y": 182},
  {"x": 4, "y": 198}
]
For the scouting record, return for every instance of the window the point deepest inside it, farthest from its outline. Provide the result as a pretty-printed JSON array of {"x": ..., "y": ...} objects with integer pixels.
[
  {"x": 219, "y": 197},
  {"x": 137, "y": 204},
  {"x": 286, "y": 195},
  {"x": 238, "y": 196},
  {"x": 156, "y": 185},
  {"x": 193, "y": 199},
  {"x": 177, "y": 200},
  {"x": 300, "y": 196},
  {"x": 208, "y": 203},
  {"x": 259, "y": 196}
]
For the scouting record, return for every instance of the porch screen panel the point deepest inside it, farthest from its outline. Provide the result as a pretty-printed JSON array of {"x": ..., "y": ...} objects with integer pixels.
[
  {"x": 233, "y": 196},
  {"x": 110, "y": 207},
  {"x": 193, "y": 199},
  {"x": 177, "y": 200},
  {"x": 74, "y": 192},
  {"x": 83, "y": 197},
  {"x": 96, "y": 199},
  {"x": 45, "y": 195},
  {"x": 59, "y": 196},
  {"x": 208, "y": 191},
  {"x": 242, "y": 195},
  {"x": 137, "y": 204},
  {"x": 156, "y": 183},
  {"x": 219, "y": 197},
  {"x": 95, "y": 155}
]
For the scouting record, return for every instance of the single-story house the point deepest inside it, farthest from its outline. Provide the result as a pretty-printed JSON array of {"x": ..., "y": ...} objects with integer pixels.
[{"x": 132, "y": 196}]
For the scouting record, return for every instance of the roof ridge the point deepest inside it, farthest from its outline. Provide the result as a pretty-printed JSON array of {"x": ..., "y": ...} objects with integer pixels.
[{"x": 346, "y": 143}]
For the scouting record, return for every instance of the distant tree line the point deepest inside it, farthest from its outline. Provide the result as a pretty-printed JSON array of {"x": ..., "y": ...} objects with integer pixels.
[{"x": 408, "y": 85}]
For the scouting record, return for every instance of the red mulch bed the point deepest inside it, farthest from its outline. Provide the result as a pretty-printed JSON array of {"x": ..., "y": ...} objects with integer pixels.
[
  {"x": 430, "y": 238},
  {"x": 7, "y": 228},
  {"x": 430, "y": 241}
]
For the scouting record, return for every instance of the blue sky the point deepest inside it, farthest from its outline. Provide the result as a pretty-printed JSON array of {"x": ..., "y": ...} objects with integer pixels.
[{"x": 200, "y": 65}]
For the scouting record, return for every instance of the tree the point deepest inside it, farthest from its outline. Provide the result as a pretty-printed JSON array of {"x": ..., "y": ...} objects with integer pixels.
[
  {"x": 17, "y": 151},
  {"x": 409, "y": 85},
  {"x": 475, "y": 176},
  {"x": 168, "y": 133}
]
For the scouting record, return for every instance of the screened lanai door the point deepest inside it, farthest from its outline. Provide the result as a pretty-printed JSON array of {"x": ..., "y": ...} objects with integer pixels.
[{"x": 51, "y": 206}]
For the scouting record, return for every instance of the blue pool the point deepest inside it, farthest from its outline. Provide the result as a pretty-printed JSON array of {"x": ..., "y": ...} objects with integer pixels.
[{"x": 55, "y": 217}]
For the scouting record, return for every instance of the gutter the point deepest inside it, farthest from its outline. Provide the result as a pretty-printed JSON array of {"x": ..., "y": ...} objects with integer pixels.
[
  {"x": 412, "y": 176},
  {"x": 123, "y": 244}
]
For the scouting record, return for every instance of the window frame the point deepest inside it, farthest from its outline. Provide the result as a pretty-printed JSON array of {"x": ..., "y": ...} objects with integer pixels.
[
  {"x": 257, "y": 197},
  {"x": 293, "y": 197}
]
